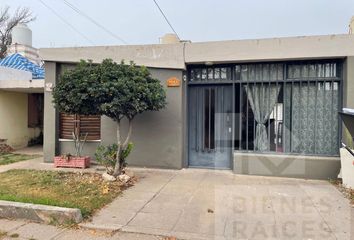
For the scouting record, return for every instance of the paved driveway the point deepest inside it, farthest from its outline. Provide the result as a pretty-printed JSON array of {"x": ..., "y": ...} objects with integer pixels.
[{"x": 205, "y": 204}]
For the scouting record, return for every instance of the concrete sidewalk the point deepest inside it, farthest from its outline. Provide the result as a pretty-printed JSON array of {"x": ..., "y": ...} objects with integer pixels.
[
  {"x": 205, "y": 204},
  {"x": 33, "y": 150},
  {"x": 21, "y": 230}
]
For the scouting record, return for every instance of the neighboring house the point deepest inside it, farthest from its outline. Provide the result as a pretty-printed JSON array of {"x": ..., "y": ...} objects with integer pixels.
[
  {"x": 21, "y": 92},
  {"x": 264, "y": 106},
  {"x": 21, "y": 103}
]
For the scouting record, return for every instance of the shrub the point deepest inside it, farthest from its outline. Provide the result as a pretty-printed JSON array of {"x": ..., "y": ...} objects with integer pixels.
[{"x": 107, "y": 155}]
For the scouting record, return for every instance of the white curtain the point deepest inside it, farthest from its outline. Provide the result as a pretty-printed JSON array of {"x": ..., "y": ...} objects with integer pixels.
[
  {"x": 262, "y": 98},
  {"x": 312, "y": 118}
]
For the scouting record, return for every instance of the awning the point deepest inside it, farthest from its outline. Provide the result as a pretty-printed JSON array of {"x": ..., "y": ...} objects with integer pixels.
[{"x": 17, "y": 61}]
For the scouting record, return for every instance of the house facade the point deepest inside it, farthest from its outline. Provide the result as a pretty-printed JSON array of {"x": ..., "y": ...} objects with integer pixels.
[
  {"x": 263, "y": 107},
  {"x": 21, "y": 91},
  {"x": 21, "y": 99}
]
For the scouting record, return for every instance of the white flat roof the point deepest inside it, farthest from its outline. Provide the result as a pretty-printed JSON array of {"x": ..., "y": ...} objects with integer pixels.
[
  {"x": 7, "y": 73},
  {"x": 177, "y": 55},
  {"x": 19, "y": 81}
]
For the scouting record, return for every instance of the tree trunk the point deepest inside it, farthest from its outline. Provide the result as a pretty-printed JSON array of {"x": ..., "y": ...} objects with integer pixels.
[
  {"x": 117, "y": 167},
  {"x": 126, "y": 142},
  {"x": 121, "y": 146}
]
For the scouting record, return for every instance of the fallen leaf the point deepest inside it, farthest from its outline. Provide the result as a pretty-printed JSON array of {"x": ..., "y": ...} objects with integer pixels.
[
  {"x": 170, "y": 238},
  {"x": 105, "y": 190}
]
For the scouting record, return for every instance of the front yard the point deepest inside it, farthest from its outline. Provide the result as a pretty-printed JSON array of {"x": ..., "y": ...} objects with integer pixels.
[
  {"x": 7, "y": 158},
  {"x": 86, "y": 191}
]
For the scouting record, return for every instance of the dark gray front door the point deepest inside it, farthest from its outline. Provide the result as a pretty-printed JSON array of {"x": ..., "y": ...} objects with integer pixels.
[{"x": 210, "y": 123}]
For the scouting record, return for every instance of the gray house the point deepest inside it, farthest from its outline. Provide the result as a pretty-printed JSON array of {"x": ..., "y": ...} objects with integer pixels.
[{"x": 263, "y": 107}]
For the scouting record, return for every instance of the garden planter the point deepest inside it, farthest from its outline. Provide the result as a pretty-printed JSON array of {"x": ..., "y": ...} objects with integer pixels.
[{"x": 72, "y": 161}]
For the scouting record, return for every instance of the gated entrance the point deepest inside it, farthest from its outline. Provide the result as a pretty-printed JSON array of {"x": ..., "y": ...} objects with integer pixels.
[
  {"x": 210, "y": 126},
  {"x": 273, "y": 107}
]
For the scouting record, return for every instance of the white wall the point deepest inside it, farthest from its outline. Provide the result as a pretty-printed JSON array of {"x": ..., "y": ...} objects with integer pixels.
[
  {"x": 14, "y": 119},
  {"x": 14, "y": 74}
]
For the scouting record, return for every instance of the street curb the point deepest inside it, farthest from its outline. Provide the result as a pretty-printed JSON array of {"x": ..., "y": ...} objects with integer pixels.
[{"x": 39, "y": 213}]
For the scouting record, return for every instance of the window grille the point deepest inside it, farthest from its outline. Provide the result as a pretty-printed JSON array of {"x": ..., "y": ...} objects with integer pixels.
[{"x": 282, "y": 107}]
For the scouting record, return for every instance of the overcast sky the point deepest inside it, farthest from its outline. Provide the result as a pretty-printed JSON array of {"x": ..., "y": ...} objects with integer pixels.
[{"x": 140, "y": 22}]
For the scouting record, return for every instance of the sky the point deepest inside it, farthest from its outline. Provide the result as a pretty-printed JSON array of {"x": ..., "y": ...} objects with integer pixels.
[{"x": 140, "y": 22}]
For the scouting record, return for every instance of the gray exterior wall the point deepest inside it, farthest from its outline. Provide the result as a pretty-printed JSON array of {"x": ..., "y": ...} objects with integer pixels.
[
  {"x": 348, "y": 95},
  {"x": 271, "y": 49},
  {"x": 50, "y": 130},
  {"x": 348, "y": 88},
  {"x": 281, "y": 165},
  {"x": 170, "y": 56},
  {"x": 67, "y": 146},
  {"x": 157, "y": 136},
  {"x": 160, "y": 137},
  {"x": 175, "y": 56}
]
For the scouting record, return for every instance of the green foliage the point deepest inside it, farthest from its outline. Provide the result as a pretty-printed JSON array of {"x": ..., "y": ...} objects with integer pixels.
[
  {"x": 126, "y": 152},
  {"x": 111, "y": 89},
  {"x": 76, "y": 92},
  {"x": 128, "y": 90},
  {"x": 107, "y": 156}
]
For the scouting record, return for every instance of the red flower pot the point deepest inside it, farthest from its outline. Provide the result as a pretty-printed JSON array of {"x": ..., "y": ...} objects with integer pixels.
[{"x": 72, "y": 161}]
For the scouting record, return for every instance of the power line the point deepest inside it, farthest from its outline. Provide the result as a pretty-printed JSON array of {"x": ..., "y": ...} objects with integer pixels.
[
  {"x": 77, "y": 10},
  {"x": 66, "y": 22},
  {"x": 163, "y": 14}
]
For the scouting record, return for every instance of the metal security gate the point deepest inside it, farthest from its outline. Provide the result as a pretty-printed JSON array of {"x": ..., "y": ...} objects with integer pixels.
[
  {"x": 272, "y": 107},
  {"x": 210, "y": 126}
]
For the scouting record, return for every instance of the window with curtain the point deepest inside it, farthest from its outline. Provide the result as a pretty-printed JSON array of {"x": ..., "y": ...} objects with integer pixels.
[{"x": 287, "y": 108}]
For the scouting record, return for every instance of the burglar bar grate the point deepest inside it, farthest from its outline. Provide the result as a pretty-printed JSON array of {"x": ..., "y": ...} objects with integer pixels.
[{"x": 282, "y": 107}]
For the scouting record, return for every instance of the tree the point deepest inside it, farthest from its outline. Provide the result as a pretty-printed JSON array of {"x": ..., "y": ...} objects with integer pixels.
[
  {"x": 7, "y": 23},
  {"x": 77, "y": 90},
  {"x": 119, "y": 91}
]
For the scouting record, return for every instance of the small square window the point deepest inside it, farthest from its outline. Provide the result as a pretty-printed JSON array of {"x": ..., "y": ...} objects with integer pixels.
[
  {"x": 210, "y": 74},
  {"x": 223, "y": 73},
  {"x": 204, "y": 74},
  {"x": 238, "y": 72},
  {"x": 217, "y": 73},
  {"x": 192, "y": 75},
  {"x": 197, "y": 75}
]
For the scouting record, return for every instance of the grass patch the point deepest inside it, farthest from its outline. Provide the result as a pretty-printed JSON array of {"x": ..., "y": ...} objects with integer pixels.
[
  {"x": 86, "y": 191},
  {"x": 7, "y": 158}
]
